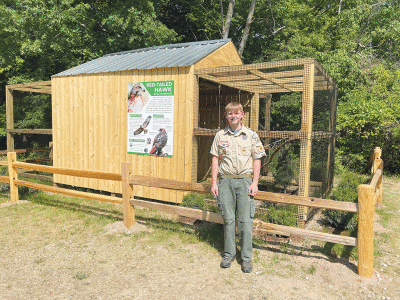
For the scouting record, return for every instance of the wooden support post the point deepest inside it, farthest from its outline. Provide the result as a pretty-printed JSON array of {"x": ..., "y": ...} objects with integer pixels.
[
  {"x": 305, "y": 143},
  {"x": 267, "y": 128},
  {"x": 10, "y": 119},
  {"x": 331, "y": 147},
  {"x": 375, "y": 165},
  {"x": 365, "y": 237},
  {"x": 127, "y": 194},
  {"x": 254, "y": 111},
  {"x": 12, "y": 172}
]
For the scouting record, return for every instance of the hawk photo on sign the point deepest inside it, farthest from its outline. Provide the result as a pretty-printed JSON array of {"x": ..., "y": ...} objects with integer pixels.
[
  {"x": 137, "y": 98},
  {"x": 159, "y": 143},
  {"x": 143, "y": 126}
]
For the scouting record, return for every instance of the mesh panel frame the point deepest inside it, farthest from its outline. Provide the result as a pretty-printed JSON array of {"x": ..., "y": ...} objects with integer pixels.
[{"x": 292, "y": 106}]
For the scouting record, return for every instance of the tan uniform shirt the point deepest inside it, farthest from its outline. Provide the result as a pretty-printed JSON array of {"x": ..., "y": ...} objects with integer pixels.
[{"x": 236, "y": 152}]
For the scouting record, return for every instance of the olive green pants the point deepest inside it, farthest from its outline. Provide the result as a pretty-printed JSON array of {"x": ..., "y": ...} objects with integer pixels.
[{"x": 234, "y": 201}]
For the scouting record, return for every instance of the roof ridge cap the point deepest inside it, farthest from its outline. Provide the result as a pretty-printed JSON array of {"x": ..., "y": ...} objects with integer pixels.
[{"x": 169, "y": 46}]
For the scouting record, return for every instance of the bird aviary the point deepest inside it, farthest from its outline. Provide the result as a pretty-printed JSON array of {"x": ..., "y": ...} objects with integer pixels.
[{"x": 291, "y": 105}]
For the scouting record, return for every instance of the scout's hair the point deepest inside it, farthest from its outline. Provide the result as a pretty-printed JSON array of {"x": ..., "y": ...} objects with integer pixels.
[{"x": 235, "y": 106}]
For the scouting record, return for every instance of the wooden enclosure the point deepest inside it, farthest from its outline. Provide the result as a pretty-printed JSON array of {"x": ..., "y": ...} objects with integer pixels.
[
  {"x": 90, "y": 124},
  {"x": 89, "y": 111}
]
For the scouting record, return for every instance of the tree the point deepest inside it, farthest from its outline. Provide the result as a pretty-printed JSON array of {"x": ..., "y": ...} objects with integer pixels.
[{"x": 42, "y": 38}]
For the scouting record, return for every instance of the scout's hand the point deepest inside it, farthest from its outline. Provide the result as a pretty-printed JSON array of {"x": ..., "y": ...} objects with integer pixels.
[
  {"x": 253, "y": 189},
  {"x": 214, "y": 189}
]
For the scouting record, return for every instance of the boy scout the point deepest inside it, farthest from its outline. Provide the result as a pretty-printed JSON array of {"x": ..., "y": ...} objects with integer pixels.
[{"x": 236, "y": 154}]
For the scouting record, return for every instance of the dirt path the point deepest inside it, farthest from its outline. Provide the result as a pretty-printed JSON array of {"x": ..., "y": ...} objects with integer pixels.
[{"x": 49, "y": 253}]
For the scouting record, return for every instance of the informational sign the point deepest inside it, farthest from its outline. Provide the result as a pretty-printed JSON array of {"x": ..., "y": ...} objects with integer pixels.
[{"x": 151, "y": 118}]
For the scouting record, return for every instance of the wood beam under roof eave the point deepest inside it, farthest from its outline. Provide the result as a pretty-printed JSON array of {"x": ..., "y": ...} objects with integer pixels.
[
  {"x": 33, "y": 90},
  {"x": 229, "y": 84},
  {"x": 269, "y": 78},
  {"x": 258, "y": 66}
]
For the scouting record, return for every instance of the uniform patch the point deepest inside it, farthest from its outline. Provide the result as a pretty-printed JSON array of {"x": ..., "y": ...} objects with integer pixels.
[
  {"x": 244, "y": 151},
  {"x": 260, "y": 148},
  {"x": 224, "y": 144}
]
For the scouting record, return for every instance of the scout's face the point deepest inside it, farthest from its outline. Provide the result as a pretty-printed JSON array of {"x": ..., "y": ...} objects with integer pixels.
[{"x": 234, "y": 117}]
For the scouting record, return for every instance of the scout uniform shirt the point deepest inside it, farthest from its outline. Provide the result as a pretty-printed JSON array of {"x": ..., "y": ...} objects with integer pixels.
[{"x": 236, "y": 151}]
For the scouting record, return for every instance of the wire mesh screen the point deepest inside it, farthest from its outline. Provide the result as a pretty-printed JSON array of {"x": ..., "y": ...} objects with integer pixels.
[{"x": 291, "y": 105}]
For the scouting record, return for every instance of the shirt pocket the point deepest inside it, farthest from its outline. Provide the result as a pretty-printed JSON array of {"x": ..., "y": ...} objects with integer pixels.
[{"x": 244, "y": 149}]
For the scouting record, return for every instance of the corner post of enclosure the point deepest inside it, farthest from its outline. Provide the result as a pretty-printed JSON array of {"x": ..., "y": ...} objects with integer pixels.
[
  {"x": 10, "y": 119},
  {"x": 12, "y": 172},
  {"x": 127, "y": 194},
  {"x": 365, "y": 235},
  {"x": 195, "y": 143},
  {"x": 305, "y": 140}
]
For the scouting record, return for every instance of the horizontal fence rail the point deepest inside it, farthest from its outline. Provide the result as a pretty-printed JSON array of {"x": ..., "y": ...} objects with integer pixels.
[
  {"x": 262, "y": 196},
  {"x": 369, "y": 194}
]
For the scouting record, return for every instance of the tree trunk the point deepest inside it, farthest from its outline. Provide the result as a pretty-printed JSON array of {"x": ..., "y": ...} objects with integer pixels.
[
  {"x": 227, "y": 25},
  {"x": 247, "y": 27}
]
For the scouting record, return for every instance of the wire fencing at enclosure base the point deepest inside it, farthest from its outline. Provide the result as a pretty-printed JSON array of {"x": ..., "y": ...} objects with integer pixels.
[{"x": 368, "y": 196}]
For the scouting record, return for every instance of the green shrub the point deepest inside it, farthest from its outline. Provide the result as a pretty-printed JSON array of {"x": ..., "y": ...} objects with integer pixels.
[
  {"x": 194, "y": 200},
  {"x": 281, "y": 215},
  {"x": 346, "y": 190}
]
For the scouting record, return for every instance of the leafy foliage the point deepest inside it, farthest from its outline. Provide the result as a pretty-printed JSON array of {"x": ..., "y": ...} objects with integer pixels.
[
  {"x": 193, "y": 200},
  {"x": 356, "y": 41},
  {"x": 281, "y": 215},
  {"x": 347, "y": 191},
  {"x": 284, "y": 172}
]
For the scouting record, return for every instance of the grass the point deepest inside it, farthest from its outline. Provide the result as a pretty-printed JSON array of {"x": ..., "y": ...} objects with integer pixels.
[{"x": 66, "y": 222}]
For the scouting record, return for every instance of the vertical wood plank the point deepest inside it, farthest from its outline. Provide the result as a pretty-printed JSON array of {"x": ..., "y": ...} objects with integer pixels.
[
  {"x": 306, "y": 143},
  {"x": 69, "y": 155},
  {"x": 92, "y": 115},
  {"x": 195, "y": 140},
  {"x": 365, "y": 236},
  {"x": 55, "y": 98},
  {"x": 174, "y": 161},
  {"x": 127, "y": 194},
  {"x": 80, "y": 130},
  {"x": 106, "y": 130},
  {"x": 10, "y": 118},
  {"x": 12, "y": 172},
  {"x": 86, "y": 127},
  {"x": 181, "y": 116},
  {"x": 111, "y": 115},
  {"x": 189, "y": 122},
  {"x": 121, "y": 106},
  {"x": 75, "y": 153}
]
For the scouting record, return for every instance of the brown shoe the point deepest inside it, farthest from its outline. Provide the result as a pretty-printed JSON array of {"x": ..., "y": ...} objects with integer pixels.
[
  {"x": 247, "y": 266},
  {"x": 227, "y": 261}
]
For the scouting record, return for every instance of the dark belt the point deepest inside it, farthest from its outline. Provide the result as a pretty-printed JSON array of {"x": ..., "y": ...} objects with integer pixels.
[{"x": 237, "y": 176}]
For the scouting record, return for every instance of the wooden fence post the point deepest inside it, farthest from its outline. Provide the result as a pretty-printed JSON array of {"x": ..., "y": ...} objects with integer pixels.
[
  {"x": 366, "y": 207},
  {"x": 127, "y": 193},
  {"x": 12, "y": 172}
]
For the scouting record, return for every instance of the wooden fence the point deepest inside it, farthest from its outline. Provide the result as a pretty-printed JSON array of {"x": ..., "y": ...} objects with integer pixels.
[{"x": 369, "y": 194}]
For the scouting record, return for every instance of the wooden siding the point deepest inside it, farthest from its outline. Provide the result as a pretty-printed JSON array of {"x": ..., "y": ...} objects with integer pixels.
[
  {"x": 224, "y": 56},
  {"x": 90, "y": 118}
]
